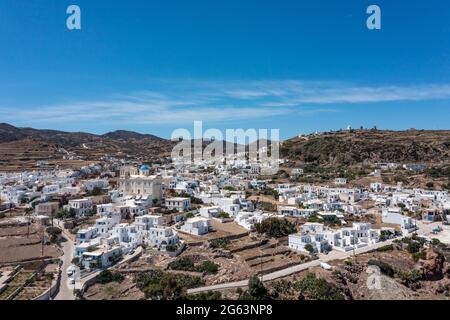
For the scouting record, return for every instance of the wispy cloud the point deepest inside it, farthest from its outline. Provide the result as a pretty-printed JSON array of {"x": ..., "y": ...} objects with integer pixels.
[
  {"x": 296, "y": 93},
  {"x": 185, "y": 101}
]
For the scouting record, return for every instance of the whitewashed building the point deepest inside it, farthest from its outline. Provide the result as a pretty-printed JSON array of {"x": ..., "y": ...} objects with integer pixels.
[
  {"x": 134, "y": 182},
  {"x": 179, "y": 203},
  {"x": 82, "y": 207},
  {"x": 197, "y": 226}
]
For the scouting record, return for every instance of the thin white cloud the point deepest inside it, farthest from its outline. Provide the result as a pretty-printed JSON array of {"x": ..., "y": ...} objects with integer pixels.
[
  {"x": 292, "y": 93},
  {"x": 185, "y": 101}
]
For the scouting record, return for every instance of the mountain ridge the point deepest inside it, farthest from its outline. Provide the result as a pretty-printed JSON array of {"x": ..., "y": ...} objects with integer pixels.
[
  {"x": 334, "y": 148},
  {"x": 10, "y": 133}
]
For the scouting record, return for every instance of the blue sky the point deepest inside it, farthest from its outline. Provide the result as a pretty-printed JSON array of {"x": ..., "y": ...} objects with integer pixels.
[{"x": 154, "y": 66}]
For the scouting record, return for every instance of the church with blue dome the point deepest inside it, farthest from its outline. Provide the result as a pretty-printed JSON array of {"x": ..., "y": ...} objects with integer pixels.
[
  {"x": 144, "y": 170},
  {"x": 137, "y": 181}
]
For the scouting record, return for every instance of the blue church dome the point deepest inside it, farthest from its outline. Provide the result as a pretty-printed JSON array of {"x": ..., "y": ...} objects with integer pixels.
[{"x": 144, "y": 167}]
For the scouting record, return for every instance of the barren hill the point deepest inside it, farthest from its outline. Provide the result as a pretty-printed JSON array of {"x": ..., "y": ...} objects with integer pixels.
[
  {"x": 369, "y": 146},
  {"x": 23, "y": 147},
  {"x": 340, "y": 148}
]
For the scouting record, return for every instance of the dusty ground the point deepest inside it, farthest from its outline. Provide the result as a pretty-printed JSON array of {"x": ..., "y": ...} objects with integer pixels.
[
  {"x": 24, "y": 155},
  {"x": 125, "y": 290},
  {"x": 44, "y": 275},
  {"x": 220, "y": 230},
  {"x": 265, "y": 198},
  {"x": 18, "y": 245}
]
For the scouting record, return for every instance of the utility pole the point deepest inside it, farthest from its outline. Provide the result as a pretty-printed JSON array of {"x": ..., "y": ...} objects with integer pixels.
[
  {"x": 260, "y": 262},
  {"x": 28, "y": 226},
  {"x": 42, "y": 241}
]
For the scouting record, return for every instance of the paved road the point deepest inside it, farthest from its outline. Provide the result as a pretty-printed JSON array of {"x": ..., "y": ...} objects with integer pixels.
[
  {"x": 65, "y": 289},
  {"x": 424, "y": 229}
]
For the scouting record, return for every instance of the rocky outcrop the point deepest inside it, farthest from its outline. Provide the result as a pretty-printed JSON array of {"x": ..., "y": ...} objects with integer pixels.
[{"x": 433, "y": 266}]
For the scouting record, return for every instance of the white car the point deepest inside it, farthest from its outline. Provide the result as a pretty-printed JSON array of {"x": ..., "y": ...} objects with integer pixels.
[
  {"x": 70, "y": 270},
  {"x": 325, "y": 266}
]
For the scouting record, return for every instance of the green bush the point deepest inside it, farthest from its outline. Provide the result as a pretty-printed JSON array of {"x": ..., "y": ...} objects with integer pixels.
[
  {"x": 313, "y": 219},
  {"x": 385, "y": 234},
  {"x": 256, "y": 290},
  {"x": 419, "y": 255},
  {"x": 53, "y": 231},
  {"x": 66, "y": 214},
  {"x": 223, "y": 215},
  {"x": 276, "y": 228},
  {"x": 208, "y": 267},
  {"x": 219, "y": 243},
  {"x": 318, "y": 289},
  {"x": 156, "y": 284},
  {"x": 187, "y": 264},
  {"x": 54, "y": 234},
  {"x": 436, "y": 173},
  {"x": 143, "y": 279},
  {"x": 209, "y": 295},
  {"x": 435, "y": 242},
  {"x": 171, "y": 248},
  {"x": 309, "y": 248},
  {"x": 196, "y": 200},
  {"x": 95, "y": 192},
  {"x": 271, "y": 192},
  {"x": 413, "y": 247},
  {"x": 389, "y": 247},
  {"x": 282, "y": 286},
  {"x": 409, "y": 278},
  {"x": 189, "y": 215},
  {"x": 182, "y": 264},
  {"x": 106, "y": 276}
]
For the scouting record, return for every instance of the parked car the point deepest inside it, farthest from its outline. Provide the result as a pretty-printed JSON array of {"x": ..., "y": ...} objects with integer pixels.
[
  {"x": 325, "y": 266},
  {"x": 70, "y": 271}
]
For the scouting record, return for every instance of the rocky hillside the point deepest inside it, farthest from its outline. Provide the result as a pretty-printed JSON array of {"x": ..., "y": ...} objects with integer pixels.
[
  {"x": 341, "y": 148},
  {"x": 369, "y": 146},
  {"x": 23, "y": 145},
  {"x": 9, "y": 133}
]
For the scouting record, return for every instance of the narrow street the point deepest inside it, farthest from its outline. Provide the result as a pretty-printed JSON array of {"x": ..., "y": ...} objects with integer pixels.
[{"x": 65, "y": 289}]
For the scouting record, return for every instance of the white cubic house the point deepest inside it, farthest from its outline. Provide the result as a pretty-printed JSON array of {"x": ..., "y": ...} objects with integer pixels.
[
  {"x": 180, "y": 204},
  {"x": 197, "y": 226}
]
